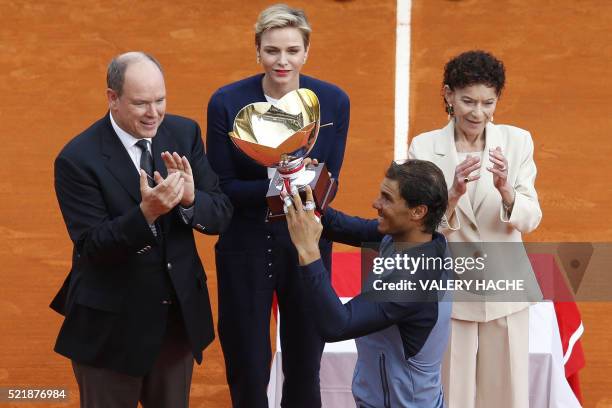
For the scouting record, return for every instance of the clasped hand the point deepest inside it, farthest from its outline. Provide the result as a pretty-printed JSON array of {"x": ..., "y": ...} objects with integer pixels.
[
  {"x": 499, "y": 169},
  {"x": 177, "y": 188}
]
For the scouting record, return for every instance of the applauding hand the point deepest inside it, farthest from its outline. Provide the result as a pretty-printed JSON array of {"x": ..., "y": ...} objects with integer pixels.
[
  {"x": 500, "y": 176},
  {"x": 162, "y": 198},
  {"x": 463, "y": 175},
  {"x": 177, "y": 164}
]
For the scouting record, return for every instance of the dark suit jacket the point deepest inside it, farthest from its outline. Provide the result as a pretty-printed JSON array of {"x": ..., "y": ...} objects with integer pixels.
[{"x": 113, "y": 299}]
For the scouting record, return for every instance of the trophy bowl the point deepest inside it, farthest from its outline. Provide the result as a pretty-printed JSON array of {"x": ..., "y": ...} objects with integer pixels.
[{"x": 280, "y": 136}]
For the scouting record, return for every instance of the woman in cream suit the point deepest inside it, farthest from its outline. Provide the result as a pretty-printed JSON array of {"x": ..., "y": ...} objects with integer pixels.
[{"x": 492, "y": 198}]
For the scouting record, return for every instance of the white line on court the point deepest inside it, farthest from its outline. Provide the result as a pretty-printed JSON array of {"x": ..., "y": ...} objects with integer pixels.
[{"x": 402, "y": 80}]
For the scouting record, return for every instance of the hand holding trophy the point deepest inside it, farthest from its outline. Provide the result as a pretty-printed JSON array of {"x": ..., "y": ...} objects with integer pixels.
[{"x": 281, "y": 136}]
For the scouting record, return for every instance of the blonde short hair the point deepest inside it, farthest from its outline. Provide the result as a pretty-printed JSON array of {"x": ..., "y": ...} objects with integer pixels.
[{"x": 281, "y": 16}]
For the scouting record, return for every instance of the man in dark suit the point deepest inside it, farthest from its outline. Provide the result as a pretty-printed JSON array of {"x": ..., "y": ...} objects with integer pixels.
[{"x": 136, "y": 304}]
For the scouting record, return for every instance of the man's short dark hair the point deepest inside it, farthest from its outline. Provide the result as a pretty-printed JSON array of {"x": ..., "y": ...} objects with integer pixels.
[
  {"x": 115, "y": 74},
  {"x": 422, "y": 183}
]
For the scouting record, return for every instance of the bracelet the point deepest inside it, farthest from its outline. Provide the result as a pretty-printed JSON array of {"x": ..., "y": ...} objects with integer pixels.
[{"x": 508, "y": 207}]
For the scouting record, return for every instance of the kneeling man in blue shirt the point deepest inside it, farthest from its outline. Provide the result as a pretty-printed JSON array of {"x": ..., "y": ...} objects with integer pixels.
[{"x": 401, "y": 336}]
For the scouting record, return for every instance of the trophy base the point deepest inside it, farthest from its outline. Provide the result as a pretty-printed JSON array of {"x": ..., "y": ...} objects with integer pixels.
[{"x": 323, "y": 190}]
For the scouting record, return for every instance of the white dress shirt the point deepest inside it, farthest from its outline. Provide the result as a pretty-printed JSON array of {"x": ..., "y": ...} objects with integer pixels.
[{"x": 129, "y": 142}]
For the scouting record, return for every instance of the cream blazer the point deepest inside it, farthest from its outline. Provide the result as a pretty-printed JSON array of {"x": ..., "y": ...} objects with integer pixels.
[{"x": 486, "y": 220}]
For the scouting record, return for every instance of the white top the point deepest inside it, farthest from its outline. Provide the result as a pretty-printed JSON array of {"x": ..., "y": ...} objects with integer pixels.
[{"x": 271, "y": 99}]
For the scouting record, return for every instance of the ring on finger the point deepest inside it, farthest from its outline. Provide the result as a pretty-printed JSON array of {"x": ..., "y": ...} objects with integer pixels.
[
  {"x": 309, "y": 205},
  {"x": 466, "y": 179},
  {"x": 288, "y": 202}
]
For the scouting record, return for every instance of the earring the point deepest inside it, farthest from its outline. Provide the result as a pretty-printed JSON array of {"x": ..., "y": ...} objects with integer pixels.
[
  {"x": 450, "y": 110},
  {"x": 303, "y": 62},
  {"x": 258, "y": 59},
  {"x": 491, "y": 118}
]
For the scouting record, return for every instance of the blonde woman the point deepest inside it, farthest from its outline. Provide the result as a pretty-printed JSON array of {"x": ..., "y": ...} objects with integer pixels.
[{"x": 256, "y": 259}]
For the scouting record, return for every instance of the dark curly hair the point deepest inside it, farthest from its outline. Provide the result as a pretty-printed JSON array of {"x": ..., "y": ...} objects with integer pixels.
[
  {"x": 422, "y": 183},
  {"x": 474, "y": 67}
]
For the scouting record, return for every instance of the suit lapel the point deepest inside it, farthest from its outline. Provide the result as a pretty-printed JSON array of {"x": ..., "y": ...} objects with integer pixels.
[
  {"x": 485, "y": 183},
  {"x": 447, "y": 152},
  {"x": 119, "y": 163},
  {"x": 162, "y": 142}
]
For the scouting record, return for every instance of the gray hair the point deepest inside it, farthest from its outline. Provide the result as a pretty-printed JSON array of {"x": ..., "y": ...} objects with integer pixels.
[
  {"x": 281, "y": 16},
  {"x": 115, "y": 74}
]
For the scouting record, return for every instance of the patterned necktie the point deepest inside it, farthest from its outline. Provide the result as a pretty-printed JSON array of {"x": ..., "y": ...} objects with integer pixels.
[{"x": 146, "y": 160}]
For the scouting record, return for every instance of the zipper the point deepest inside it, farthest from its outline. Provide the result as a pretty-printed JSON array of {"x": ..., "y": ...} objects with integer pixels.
[{"x": 383, "y": 379}]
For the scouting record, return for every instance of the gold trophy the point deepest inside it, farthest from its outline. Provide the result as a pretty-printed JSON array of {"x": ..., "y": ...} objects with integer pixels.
[{"x": 280, "y": 136}]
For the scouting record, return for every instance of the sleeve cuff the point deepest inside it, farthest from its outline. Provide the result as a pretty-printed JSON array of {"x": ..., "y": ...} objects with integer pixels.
[
  {"x": 312, "y": 269},
  {"x": 140, "y": 231},
  {"x": 504, "y": 215},
  {"x": 186, "y": 213},
  {"x": 454, "y": 225}
]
